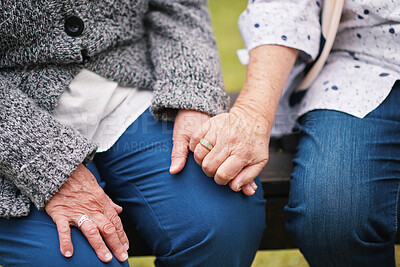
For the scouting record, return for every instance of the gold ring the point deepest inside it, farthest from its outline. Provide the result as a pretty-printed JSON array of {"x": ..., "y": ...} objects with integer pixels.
[{"x": 206, "y": 144}]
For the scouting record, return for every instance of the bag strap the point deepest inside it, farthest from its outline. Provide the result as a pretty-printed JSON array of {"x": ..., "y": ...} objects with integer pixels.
[{"x": 331, "y": 13}]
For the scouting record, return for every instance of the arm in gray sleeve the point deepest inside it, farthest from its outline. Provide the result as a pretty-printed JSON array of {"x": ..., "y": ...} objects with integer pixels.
[
  {"x": 185, "y": 58},
  {"x": 37, "y": 154}
]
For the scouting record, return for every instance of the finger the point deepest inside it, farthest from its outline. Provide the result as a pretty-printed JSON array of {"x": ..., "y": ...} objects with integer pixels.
[
  {"x": 198, "y": 134},
  {"x": 248, "y": 189},
  {"x": 92, "y": 234},
  {"x": 109, "y": 233},
  {"x": 179, "y": 153},
  {"x": 247, "y": 175},
  {"x": 200, "y": 151},
  {"x": 228, "y": 170},
  {"x": 253, "y": 185},
  {"x": 116, "y": 207},
  {"x": 64, "y": 236},
  {"x": 116, "y": 221},
  {"x": 213, "y": 160}
]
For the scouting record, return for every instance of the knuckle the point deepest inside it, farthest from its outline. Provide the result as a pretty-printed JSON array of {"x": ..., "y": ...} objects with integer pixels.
[
  {"x": 63, "y": 229},
  {"x": 222, "y": 177},
  {"x": 180, "y": 137},
  {"x": 266, "y": 159},
  {"x": 98, "y": 245},
  {"x": 206, "y": 167},
  {"x": 220, "y": 181},
  {"x": 65, "y": 242},
  {"x": 92, "y": 232},
  {"x": 108, "y": 228},
  {"x": 116, "y": 246},
  {"x": 208, "y": 170},
  {"x": 199, "y": 159},
  {"x": 116, "y": 220},
  {"x": 197, "y": 155},
  {"x": 178, "y": 153}
]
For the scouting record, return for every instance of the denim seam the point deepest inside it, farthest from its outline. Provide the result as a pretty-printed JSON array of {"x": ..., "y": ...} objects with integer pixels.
[
  {"x": 152, "y": 211},
  {"x": 397, "y": 206}
]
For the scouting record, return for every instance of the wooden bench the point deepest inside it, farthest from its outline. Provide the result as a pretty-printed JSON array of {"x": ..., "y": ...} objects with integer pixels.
[{"x": 275, "y": 179}]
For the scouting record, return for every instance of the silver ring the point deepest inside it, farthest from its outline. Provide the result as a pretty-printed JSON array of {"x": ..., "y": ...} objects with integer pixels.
[
  {"x": 83, "y": 219},
  {"x": 206, "y": 144}
]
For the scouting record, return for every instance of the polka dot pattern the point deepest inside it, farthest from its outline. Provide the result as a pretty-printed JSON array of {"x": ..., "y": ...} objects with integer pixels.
[
  {"x": 285, "y": 22},
  {"x": 364, "y": 62}
]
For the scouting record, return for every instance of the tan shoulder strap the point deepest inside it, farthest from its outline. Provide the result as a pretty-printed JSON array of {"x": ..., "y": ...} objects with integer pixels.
[{"x": 331, "y": 13}]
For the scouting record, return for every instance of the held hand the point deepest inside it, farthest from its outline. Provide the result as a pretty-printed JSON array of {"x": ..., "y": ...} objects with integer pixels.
[
  {"x": 81, "y": 195},
  {"x": 185, "y": 124},
  {"x": 240, "y": 149}
]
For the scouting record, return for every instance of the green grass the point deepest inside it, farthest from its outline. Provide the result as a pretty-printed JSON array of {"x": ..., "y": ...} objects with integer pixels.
[
  {"x": 276, "y": 258},
  {"x": 270, "y": 258},
  {"x": 225, "y": 14}
]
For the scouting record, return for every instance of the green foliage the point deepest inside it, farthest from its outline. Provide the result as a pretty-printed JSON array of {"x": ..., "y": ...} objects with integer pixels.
[
  {"x": 225, "y": 14},
  {"x": 278, "y": 258}
]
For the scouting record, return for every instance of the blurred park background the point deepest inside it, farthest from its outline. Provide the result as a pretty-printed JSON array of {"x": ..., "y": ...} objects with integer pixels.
[{"x": 225, "y": 14}]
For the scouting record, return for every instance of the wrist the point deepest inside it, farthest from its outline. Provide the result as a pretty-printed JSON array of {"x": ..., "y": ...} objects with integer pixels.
[
  {"x": 256, "y": 108},
  {"x": 257, "y": 122}
]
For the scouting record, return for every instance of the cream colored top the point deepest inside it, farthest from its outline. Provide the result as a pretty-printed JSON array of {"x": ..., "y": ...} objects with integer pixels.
[{"x": 99, "y": 108}]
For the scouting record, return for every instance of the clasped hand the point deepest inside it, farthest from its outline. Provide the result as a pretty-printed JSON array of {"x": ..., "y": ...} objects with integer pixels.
[{"x": 240, "y": 146}]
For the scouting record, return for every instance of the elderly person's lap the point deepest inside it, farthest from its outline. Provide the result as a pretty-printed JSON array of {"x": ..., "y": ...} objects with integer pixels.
[{"x": 186, "y": 218}]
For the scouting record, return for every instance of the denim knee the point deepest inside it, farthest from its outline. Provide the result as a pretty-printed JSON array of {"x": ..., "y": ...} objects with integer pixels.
[
  {"x": 342, "y": 208},
  {"x": 227, "y": 236},
  {"x": 339, "y": 231}
]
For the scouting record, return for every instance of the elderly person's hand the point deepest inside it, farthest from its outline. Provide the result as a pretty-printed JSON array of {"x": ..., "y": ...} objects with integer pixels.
[
  {"x": 81, "y": 195},
  {"x": 239, "y": 139},
  {"x": 186, "y": 122},
  {"x": 240, "y": 148}
]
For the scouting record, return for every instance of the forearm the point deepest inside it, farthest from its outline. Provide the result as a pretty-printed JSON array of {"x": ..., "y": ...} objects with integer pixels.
[{"x": 267, "y": 72}]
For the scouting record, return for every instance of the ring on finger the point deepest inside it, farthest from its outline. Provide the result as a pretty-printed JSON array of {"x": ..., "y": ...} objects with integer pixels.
[
  {"x": 84, "y": 219},
  {"x": 205, "y": 143}
]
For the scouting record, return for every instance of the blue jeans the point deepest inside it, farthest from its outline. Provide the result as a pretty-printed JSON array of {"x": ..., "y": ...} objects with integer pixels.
[
  {"x": 186, "y": 218},
  {"x": 343, "y": 206}
]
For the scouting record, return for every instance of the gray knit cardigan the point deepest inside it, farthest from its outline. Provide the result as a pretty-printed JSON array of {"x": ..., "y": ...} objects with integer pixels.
[{"x": 163, "y": 45}]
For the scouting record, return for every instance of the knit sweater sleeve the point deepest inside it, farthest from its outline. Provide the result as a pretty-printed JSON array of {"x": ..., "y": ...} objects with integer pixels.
[
  {"x": 37, "y": 154},
  {"x": 185, "y": 58}
]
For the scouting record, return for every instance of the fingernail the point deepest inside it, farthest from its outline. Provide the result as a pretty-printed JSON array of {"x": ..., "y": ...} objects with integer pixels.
[
  {"x": 172, "y": 169},
  {"x": 108, "y": 256},
  {"x": 254, "y": 186},
  {"x": 124, "y": 256},
  {"x": 68, "y": 254},
  {"x": 239, "y": 188},
  {"x": 126, "y": 246},
  {"x": 252, "y": 191}
]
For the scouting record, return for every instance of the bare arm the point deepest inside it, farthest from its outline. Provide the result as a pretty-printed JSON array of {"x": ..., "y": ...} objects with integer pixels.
[{"x": 267, "y": 72}]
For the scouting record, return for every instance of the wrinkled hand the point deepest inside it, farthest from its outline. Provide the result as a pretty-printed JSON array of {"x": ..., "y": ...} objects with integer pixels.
[
  {"x": 240, "y": 149},
  {"x": 186, "y": 122},
  {"x": 81, "y": 195}
]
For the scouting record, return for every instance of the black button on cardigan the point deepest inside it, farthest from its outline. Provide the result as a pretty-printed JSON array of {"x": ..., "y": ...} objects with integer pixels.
[{"x": 74, "y": 26}]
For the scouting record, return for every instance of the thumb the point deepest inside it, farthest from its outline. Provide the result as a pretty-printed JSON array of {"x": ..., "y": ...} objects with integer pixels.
[{"x": 179, "y": 153}]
